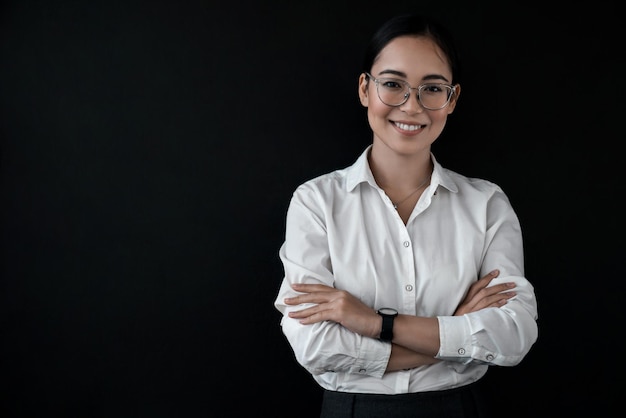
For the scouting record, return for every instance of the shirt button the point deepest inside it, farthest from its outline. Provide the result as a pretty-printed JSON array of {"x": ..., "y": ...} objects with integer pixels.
[
  {"x": 490, "y": 357},
  {"x": 406, "y": 244},
  {"x": 408, "y": 288},
  {"x": 461, "y": 351}
]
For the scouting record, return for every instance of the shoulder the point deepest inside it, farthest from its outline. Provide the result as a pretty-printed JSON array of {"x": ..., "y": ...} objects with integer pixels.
[
  {"x": 337, "y": 181},
  {"x": 466, "y": 183},
  {"x": 322, "y": 187},
  {"x": 473, "y": 191},
  {"x": 460, "y": 184}
]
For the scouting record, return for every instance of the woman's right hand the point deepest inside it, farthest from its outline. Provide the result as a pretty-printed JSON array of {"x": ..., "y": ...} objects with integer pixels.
[{"x": 481, "y": 295}]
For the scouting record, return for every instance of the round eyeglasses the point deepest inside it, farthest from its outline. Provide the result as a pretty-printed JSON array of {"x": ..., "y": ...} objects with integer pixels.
[{"x": 395, "y": 92}]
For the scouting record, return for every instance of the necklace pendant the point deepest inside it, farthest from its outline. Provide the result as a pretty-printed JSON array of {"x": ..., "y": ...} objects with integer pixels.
[{"x": 395, "y": 206}]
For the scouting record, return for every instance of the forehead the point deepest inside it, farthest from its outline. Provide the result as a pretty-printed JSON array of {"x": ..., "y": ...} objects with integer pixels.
[{"x": 414, "y": 56}]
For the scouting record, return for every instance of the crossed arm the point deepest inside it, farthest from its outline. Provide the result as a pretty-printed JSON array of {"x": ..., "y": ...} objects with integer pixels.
[{"x": 415, "y": 339}]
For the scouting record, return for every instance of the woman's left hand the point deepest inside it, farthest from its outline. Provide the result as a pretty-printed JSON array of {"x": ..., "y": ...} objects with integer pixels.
[{"x": 334, "y": 305}]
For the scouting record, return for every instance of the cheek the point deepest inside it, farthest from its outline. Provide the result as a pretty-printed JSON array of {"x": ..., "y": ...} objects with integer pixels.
[
  {"x": 438, "y": 122},
  {"x": 376, "y": 109},
  {"x": 439, "y": 117}
]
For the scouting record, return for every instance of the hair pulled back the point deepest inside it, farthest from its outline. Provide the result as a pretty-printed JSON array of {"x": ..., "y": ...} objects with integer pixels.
[{"x": 413, "y": 25}]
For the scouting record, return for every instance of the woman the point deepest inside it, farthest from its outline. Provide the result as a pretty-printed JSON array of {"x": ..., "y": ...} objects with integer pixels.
[{"x": 404, "y": 281}]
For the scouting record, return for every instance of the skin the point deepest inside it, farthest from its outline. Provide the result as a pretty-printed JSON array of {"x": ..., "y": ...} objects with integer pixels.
[{"x": 400, "y": 161}]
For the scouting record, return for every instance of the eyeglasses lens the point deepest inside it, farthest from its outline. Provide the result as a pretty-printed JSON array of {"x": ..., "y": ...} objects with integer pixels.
[{"x": 396, "y": 92}]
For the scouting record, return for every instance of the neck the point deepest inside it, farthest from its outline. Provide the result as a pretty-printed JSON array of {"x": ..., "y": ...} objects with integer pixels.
[{"x": 400, "y": 172}]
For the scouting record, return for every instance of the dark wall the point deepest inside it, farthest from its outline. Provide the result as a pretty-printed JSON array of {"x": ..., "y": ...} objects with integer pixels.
[{"x": 149, "y": 150}]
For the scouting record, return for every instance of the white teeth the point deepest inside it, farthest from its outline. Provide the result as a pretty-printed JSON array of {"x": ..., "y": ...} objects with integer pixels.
[{"x": 406, "y": 127}]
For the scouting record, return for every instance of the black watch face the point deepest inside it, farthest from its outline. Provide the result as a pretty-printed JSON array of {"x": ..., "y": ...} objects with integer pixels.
[{"x": 387, "y": 311}]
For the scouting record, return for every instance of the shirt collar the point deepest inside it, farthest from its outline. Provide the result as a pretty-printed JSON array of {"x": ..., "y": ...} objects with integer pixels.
[{"x": 360, "y": 172}]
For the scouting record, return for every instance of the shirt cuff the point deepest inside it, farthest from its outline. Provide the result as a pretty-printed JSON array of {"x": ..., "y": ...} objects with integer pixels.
[
  {"x": 455, "y": 341},
  {"x": 372, "y": 359}
]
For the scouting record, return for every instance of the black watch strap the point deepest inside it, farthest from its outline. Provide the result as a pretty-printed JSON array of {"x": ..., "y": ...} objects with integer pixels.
[{"x": 388, "y": 315}]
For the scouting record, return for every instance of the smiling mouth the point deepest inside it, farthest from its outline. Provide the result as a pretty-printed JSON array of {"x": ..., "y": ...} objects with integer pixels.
[{"x": 407, "y": 127}]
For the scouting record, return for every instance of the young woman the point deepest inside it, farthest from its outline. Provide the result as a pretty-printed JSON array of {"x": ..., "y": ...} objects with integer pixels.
[{"x": 404, "y": 281}]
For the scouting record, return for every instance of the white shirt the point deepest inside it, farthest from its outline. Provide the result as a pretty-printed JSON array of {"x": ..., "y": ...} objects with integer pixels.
[{"x": 342, "y": 231}]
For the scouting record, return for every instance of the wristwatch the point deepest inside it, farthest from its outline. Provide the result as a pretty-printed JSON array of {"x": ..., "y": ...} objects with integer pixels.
[{"x": 388, "y": 314}]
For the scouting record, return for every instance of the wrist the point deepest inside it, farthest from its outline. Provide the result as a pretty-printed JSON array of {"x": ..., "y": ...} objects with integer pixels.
[{"x": 388, "y": 316}]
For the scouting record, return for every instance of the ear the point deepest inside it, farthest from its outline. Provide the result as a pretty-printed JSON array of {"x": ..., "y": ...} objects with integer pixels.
[
  {"x": 363, "y": 89},
  {"x": 454, "y": 99}
]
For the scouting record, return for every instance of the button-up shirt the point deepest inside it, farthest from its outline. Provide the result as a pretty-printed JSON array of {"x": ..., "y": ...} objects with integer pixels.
[{"x": 343, "y": 231}]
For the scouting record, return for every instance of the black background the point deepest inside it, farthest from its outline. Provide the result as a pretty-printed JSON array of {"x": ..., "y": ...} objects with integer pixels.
[{"x": 149, "y": 151}]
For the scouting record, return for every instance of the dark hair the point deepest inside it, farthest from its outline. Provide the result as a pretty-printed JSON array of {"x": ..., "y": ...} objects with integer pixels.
[{"x": 413, "y": 25}]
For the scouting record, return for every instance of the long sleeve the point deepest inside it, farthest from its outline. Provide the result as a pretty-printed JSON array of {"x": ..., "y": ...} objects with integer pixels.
[
  {"x": 305, "y": 255},
  {"x": 342, "y": 230},
  {"x": 501, "y": 336}
]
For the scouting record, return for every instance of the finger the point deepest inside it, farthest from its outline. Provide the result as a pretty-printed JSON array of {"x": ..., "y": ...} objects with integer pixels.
[
  {"x": 491, "y": 275},
  {"x": 498, "y": 288},
  {"x": 316, "y": 297},
  {"x": 310, "y": 287},
  {"x": 486, "y": 296},
  {"x": 496, "y": 300},
  {"x": 309, "y": 316},
  {"x": 482, "y": 283},
  {"x": 303, "y": 313},
  {"x": 503, "y": 299}
]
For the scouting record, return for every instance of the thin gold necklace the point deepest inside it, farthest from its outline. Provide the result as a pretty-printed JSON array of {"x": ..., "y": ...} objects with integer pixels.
[{"x": 395, "y": 205}]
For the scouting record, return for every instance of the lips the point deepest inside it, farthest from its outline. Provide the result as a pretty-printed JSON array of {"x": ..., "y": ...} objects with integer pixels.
[{"x": 407, "y": 127}]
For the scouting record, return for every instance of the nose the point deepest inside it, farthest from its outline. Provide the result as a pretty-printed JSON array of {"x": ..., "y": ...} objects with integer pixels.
[{"x": 412, "y": 104}]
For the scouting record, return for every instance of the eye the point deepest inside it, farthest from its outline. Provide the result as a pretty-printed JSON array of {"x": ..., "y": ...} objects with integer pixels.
[
  {"x": 433, "y": 88},
  {"x": 391, "y": 84}
]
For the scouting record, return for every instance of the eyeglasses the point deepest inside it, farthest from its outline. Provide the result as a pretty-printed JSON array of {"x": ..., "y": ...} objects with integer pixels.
[{"x": 394, "y": 92}]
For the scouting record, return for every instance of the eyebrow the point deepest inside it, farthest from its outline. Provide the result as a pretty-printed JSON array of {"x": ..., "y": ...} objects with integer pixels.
[{"x": 403, "y": 75}]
